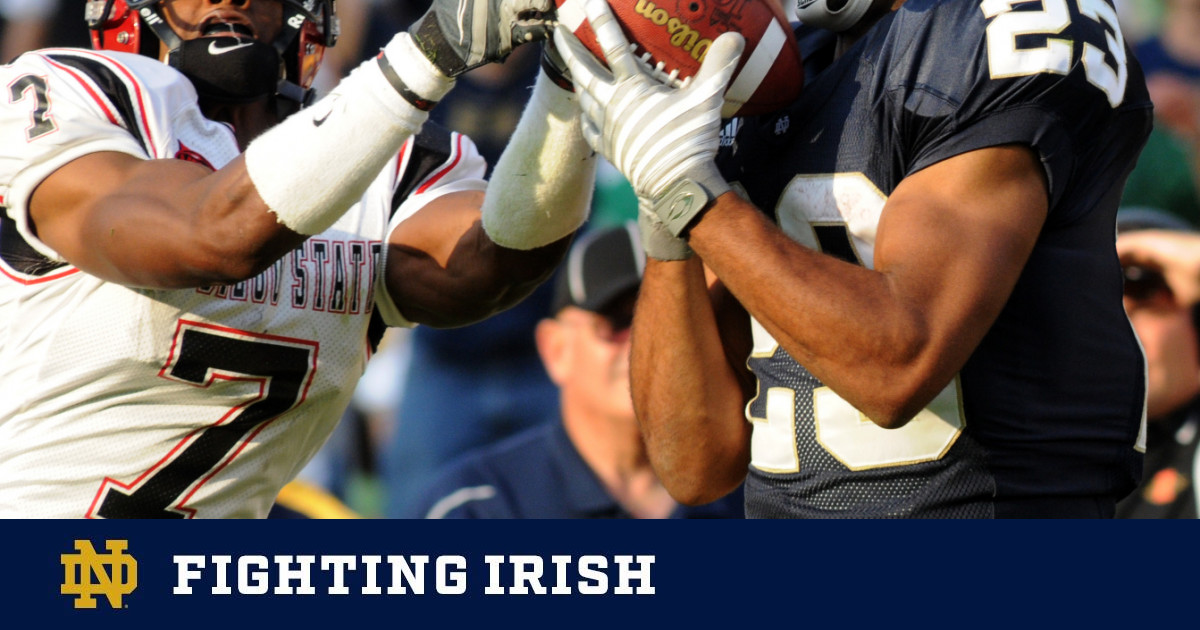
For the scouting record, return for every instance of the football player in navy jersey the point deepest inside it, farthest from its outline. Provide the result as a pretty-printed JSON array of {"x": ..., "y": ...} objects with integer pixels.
[
  {"x": 193, "y": 273},
  {"x": 915, "y": 261}
]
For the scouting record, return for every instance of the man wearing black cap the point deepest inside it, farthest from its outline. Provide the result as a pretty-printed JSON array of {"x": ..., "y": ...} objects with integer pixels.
[
  {"x": 593, "y": 464},
  {"x": 1158, "y": 286}
]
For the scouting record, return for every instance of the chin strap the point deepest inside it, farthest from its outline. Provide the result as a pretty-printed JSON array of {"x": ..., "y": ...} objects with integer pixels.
[{"x": 293, "y": 22}]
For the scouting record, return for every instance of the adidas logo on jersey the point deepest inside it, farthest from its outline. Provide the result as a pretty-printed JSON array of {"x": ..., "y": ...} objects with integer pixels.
[{"x": 729, "y": 132}]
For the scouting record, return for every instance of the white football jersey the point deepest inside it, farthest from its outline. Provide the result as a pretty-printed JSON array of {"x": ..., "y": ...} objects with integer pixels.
[{"x": 123, "y": 402}]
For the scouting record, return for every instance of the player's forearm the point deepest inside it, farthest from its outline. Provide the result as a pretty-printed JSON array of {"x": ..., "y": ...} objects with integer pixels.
[
  {"x": 444, "y": 271},
  {"x": 231, "y": 234},
  {"x": 688, "y": 400},
  {"x": 841, "y": 321},
  {"x": 489, "y": 280},
  {"x": 541, "y": 188},
  {"x": 160, "y": 224}
]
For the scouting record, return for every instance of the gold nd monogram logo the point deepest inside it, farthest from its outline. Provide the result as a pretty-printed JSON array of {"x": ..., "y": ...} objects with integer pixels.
[{"x": 115, "y": 582}]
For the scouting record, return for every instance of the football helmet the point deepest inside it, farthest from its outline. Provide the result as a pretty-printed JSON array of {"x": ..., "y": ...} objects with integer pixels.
[
  {"x": 285, "y": 67},
  {"x": 835, "y": 15}
]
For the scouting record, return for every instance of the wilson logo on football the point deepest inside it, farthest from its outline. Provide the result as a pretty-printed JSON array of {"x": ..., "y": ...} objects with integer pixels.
[{"x": 682, "y": 35}]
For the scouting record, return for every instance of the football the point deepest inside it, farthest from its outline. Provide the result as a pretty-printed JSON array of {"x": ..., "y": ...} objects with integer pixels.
[{"x": 677, "y": 34}]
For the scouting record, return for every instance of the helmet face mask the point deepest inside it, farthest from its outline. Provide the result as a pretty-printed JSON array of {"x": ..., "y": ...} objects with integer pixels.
[{"x": 309, "y": 26}]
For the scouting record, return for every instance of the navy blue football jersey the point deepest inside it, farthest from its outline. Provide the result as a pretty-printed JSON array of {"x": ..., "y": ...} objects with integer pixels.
[{"x": 1049, "y": 407}]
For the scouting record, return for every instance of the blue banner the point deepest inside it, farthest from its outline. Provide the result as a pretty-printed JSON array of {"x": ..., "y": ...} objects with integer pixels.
[{"x": 593, "y": 573}]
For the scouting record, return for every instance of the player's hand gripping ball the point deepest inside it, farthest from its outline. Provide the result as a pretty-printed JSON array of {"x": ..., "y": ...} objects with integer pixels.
[{"x": 673, "y": 36}]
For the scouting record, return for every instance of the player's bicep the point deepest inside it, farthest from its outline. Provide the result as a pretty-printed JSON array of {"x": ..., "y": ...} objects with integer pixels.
[
  {"x": 429, "y": 256},
  {"x": 435, "y": 230},
  {"x": 103, "y": 189},
  {"x": 954, "y": 238}
]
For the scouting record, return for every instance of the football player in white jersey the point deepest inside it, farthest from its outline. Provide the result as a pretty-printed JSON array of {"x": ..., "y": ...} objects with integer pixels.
[{"x": 191, "y": 279}]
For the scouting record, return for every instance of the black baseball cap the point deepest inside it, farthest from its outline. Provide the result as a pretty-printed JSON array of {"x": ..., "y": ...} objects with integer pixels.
[{"x": 602, "y": 266}]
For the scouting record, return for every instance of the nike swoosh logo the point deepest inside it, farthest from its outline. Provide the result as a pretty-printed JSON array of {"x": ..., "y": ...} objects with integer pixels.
[
  {"x": 213, "y": 49},
  {"x": 319, "y": 118}
]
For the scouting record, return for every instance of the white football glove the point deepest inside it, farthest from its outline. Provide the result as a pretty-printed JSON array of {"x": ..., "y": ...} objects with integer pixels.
[{"x": 663, "y": 139}]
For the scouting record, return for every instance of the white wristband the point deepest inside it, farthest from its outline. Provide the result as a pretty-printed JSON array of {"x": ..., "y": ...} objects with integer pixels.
[
  {"x": 315, "y": 165},
  {"x": 541, "y": 188},
  {"x": 416, "y": 74}
]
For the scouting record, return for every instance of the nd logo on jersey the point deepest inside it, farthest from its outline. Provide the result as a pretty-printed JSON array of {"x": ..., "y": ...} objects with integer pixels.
[{"x": 85, "y": 575}]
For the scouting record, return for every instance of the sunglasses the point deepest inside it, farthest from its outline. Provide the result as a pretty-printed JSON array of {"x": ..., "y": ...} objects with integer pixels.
[{"x": 1142, "y": 284}]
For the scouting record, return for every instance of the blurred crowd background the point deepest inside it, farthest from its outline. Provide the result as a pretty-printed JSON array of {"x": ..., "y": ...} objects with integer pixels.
[{"x": 431, "y": 396}]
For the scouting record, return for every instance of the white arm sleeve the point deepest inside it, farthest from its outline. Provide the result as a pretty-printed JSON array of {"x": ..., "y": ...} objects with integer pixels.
[
  {"x": 541, "y": 188},
  {"x": 313, "y": 166}
]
